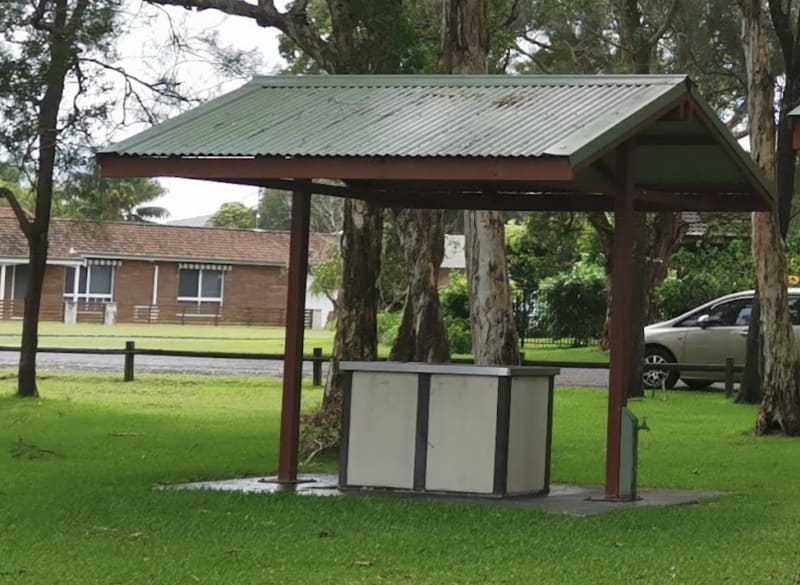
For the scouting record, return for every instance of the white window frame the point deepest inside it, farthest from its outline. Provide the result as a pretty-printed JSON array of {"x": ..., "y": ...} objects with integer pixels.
[
  {"x": 199, "y": 299},
  {"x": 76, "y": 296}
]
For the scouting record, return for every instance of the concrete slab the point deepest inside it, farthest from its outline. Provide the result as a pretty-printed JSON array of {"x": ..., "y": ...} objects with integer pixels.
[{"x": 571, "y": 500}]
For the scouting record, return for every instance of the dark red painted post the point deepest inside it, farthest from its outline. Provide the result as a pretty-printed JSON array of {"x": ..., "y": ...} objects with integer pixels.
[
  {"x": 622, "y": 313},
  {"x": 295, "y": 316}
]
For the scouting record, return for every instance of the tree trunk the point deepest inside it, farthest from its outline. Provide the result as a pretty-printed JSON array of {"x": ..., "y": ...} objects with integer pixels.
[
  {"x": 780, "y": 376},
  {"x": 422, "y": 336},
  {"x": 356, "y": 329},
  {"x": 60, "y": 39},
  {"x": 658, "y": 235},
  {"x": 750, "y": 386},
  {"x": 662, "y": 236},
  {"x": 465, "y": 46},
  {"x": 787, "y": 33},
  {"x": 494, "y": 336},
  {"x": 26, "y": 376},
  {"x": 640, "y": 297}
]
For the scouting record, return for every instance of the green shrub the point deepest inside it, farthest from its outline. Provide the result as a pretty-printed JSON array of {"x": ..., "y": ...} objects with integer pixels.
[
  {"x": 455, "y": 298},
  {"x": 455, "y": 312},
  {"x": 459, "y": 334},
  {"x": 574, "y": 304},
  {"x": 388, "y": 325},
  {"x": 703, "y": 272}
]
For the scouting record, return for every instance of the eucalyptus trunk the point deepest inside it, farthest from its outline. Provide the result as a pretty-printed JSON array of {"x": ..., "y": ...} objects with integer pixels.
[
  {"x": 780, "y": 376},
  {"x": 494, "y": 334},
  {"x": 465, "y": 46},
  {"x": 356, "y": 327},
  {"x": 422, "y": 336}
]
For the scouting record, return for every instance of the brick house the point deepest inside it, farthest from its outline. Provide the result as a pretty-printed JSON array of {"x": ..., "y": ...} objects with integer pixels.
[{"x": 143, "y": 272}]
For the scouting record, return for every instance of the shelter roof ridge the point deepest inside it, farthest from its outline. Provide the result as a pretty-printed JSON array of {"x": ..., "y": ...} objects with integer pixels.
[{"x": 365, "y": 80}]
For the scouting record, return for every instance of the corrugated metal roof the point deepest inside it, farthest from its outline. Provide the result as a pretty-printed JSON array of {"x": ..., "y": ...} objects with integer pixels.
[{"x": 410, "y": 116}]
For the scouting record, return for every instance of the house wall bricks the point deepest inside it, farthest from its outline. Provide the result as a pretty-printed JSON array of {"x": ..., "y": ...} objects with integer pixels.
[{"x": 251, "y": 294}]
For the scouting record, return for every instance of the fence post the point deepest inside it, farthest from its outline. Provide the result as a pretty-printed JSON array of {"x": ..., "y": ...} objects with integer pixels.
[
  {"x": 130, "y": 351},
  {"x": 522, "y": 358},
  {"x": 316, "y": 367},
  {"x": 728, "y": 377}
]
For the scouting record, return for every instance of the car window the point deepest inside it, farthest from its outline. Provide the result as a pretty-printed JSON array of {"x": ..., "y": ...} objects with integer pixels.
[
  {"x": 735, "y": 313},
  {"x": 794, "y": 310}
]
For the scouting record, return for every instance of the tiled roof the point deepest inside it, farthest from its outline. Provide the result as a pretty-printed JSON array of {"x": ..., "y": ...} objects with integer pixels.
[
  {"x": 8, "y": 212},
  {"x": 73, "y": 240}
]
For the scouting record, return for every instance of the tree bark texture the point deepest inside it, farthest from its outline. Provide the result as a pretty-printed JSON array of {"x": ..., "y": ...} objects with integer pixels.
[
  {"x": 356, "y": 331},
  {"x": 422, "y": 336},
  {"x": 494, "y": 335},
  {"x": 788, "y": 36},
  {"x": 61, "y": 33},
  {"x": 750, "y": 385},
  {"x": 780, "y": 375},
  {"x": 465, "y": 47},
  {"x": 640, "y": 297}
]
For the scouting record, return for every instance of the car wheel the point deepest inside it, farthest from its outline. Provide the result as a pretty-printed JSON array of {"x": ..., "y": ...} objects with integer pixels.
[
  {"x": 659, "y": 378},
  {"x": 698, "y": 384}
]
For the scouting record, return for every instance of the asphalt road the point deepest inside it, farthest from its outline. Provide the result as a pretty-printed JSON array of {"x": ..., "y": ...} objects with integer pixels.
[{"x": 112, "y": 364}]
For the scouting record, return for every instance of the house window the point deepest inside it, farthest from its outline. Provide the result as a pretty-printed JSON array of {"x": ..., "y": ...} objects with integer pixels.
[
  {"x": 92, "y": 284},
  {"x": 200, "y": 285},
  {"x": 20, "y": 278}
]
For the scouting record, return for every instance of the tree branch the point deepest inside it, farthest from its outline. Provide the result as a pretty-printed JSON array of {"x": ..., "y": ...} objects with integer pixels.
[
  {"x": 294, "y": 23},
  {"x": 298, "y": 7},
  {"x": 661, "y": 31},
  {"x": 24, "y": 223},
  {"x": 532, "y": 56},
  {"x": 605, "y": 231},
  {"x": 533, "y": 41},
  {"x": 76, "y": 19},
  {"x": 783, "y": 30},
  {"x": 37, "y": 18},
  {"x": 162, "y": 88}
]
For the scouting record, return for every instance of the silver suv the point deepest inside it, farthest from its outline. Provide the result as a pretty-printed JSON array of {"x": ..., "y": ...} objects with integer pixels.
[{"x": 705, "y": 335}]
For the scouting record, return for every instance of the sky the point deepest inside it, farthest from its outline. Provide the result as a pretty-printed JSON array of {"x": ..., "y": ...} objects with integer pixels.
[{"x": 140, "y": 50}]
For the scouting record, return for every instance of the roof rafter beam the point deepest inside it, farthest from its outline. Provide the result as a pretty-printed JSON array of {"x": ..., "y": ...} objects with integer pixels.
[
  {"x": 255, "y": 169},
  {"x": 562, "y": 201}
]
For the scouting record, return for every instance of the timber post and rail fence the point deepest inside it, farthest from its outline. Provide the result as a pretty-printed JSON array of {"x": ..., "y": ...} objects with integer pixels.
[{"x": 317, "y": 359}]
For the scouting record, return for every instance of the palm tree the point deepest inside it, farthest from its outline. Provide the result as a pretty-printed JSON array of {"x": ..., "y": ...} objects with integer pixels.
[{"x": 88, "y": 196}]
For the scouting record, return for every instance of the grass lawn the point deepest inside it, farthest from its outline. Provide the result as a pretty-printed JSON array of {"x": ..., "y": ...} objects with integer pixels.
[
  {"x": 77, "y": 504},
  {"x": 235, "y": 338}
]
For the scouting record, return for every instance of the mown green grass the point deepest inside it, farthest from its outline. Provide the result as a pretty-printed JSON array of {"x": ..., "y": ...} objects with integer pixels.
[
  {"x": 235, "y": 338},
  {"x": 81, "y": 508}
]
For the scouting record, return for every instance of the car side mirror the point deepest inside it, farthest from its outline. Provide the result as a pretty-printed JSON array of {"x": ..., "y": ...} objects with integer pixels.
[{"x": 704, "y": 321}]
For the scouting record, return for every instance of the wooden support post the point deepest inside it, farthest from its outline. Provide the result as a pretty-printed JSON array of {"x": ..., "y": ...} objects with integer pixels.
[
  {"x": 622, "y": 314},
  {"x": 728, "y": 377},
  {"x": 316, "y": 367},
  {"x": 295, "y": 315},
  {"x": 130, "y": 352}
]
